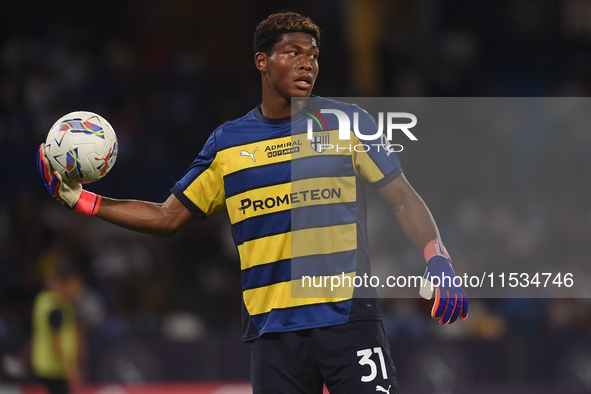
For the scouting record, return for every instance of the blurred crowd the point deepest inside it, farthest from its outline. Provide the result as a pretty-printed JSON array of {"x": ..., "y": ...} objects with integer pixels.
[{"x": 530, "y": 199}]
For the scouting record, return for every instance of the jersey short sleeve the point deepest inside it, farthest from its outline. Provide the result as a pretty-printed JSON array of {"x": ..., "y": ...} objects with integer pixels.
[
  {"x": 201, "y": 189},
  {"x": 375, "y": 160}
]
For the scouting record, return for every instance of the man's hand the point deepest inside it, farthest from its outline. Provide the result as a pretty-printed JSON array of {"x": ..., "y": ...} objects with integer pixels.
[
  {"x": 70, "y": 194},
  {"x": 450, "y": 300}
]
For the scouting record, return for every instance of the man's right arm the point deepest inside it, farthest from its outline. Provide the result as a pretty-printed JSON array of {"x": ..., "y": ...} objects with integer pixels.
[{"x": 165, "y": 219}]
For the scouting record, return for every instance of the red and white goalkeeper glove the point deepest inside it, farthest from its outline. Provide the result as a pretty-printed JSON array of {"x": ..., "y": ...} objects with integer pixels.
[
  {"x": 451, "y": 300},
  {"x": 70, "y": 194}
]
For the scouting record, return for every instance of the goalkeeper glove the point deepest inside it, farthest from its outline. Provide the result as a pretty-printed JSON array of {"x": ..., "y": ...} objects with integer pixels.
[
  {"x": 450, "y": 299},
  {"x": 70, "y": 194}
]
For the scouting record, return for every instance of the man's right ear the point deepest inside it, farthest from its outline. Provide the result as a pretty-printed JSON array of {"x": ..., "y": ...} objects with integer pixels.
[{"x": 260, "y": 61}]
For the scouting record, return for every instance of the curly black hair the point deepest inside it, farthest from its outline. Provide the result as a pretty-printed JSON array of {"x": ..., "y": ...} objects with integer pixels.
[{"x": 269, "y": 32}]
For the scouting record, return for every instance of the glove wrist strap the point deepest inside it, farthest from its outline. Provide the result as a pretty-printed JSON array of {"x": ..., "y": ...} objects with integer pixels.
[
  {"x": 88, "y": 203},
  {"x": 435, "y": 248}
]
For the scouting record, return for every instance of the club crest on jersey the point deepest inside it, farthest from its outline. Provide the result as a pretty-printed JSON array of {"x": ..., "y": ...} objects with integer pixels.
[{"x": 320, "y": 141}]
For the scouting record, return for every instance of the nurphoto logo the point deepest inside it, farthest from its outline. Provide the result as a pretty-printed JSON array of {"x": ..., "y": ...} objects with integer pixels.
[{"x": 320, "y": 141}]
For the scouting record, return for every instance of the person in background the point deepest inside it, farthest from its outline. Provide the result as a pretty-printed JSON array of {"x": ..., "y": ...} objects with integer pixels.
[{"x": 56, "y": 343}]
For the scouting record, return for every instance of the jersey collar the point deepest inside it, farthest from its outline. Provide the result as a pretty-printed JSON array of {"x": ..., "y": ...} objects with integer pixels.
[{"x": 277, "y": 121}]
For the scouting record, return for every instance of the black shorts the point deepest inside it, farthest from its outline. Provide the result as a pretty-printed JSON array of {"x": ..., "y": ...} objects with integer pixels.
[{"x": 349, "y": 358}]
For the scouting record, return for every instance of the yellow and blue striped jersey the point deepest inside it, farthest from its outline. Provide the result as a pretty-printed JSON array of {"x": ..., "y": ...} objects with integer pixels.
[{"x": 297, "y": 208}]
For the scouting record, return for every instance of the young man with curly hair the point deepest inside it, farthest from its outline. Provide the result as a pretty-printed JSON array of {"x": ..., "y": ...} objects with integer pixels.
[{"x": 297, "y": 208}]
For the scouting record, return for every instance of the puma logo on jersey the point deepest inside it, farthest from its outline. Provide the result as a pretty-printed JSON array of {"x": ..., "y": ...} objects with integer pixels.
[
  {"x": 251, "y": 155},
  {"x": 383, "y": 390}
]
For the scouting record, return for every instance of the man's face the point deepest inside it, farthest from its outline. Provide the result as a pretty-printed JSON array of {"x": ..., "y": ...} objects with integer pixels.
[{"x": 292, "y": 66}]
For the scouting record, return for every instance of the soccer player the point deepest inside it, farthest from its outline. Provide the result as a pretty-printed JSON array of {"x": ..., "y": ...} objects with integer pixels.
[
  {"x": 55, "y": 342},
  {"x": 297, "y": 209}
]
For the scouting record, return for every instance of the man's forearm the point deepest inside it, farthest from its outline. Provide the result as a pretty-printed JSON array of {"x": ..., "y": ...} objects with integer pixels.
[
  {"x": 410, "y": 211},
  {"x": 416, "y": 221},
  {"x": 142, "y": 216},
  {"x": 164, "y": 219}
]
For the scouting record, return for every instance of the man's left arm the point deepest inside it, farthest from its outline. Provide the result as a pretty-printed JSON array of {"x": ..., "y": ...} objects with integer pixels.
[{"x": 419, "y": 226}]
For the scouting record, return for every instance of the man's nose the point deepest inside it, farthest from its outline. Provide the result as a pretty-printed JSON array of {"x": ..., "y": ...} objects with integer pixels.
[{"x": 304, "y": 63}]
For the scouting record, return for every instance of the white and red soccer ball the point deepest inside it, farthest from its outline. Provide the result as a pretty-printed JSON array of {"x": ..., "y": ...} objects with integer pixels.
[{"x": 82, "y": 147}]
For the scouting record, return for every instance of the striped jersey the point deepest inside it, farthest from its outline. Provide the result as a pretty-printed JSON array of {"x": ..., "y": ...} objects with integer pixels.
[{"x": 294, "y": 190}]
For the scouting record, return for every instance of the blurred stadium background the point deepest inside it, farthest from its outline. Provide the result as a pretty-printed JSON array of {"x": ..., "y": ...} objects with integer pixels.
[{"x": 166, "y": 73}]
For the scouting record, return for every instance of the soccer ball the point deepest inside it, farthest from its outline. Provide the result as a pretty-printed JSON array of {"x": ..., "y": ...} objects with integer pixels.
[{"x": 82, "y": 147}]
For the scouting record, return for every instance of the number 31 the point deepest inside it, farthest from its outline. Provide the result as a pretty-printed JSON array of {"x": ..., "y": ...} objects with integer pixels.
[{"x": 365, "y": 355}]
